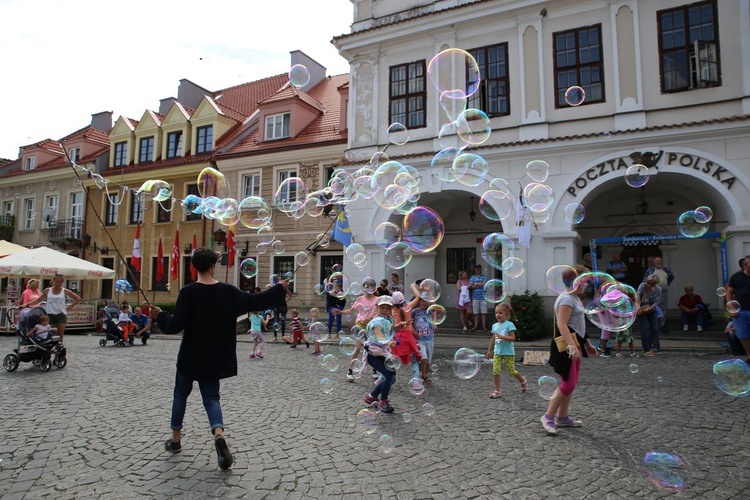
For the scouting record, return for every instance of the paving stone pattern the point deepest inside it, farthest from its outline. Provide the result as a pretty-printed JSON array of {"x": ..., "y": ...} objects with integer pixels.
[{"x": 96, "y": 428}]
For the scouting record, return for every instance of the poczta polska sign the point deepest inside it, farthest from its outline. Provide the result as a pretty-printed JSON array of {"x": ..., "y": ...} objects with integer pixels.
[{"x": 613, "y": 166}]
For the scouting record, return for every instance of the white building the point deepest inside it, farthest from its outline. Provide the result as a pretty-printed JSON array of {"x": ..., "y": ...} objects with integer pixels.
[{"x": 667, "y": 82}]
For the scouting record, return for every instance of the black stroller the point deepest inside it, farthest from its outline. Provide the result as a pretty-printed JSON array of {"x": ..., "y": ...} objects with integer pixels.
[
  {"x": 43, "y": 349},
  {"x": 113, "y": 329}
]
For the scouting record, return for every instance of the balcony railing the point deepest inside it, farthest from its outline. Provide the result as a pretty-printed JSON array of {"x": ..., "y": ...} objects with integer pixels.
[{"x": 65, "y": 230}]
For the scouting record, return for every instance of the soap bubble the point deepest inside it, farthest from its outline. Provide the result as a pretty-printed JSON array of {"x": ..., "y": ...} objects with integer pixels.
[
  {"x": 575, "y": 95},
  {"x": 248, "y": 268},
  {"x": 254, "y": 212},
  {"x": 369, "y": 286},
  {"x": 703, "y": 214},
  {"x": 547, "y": 387},
  {"x": 537, "y": 170},
  {"x": 633, "y": 368},
  {"x": 367, "y": 421},
  {"x": 318, "y": 331},
  {"x": 688, "y": 225},
  {"x": 192, "y": 204},
  {"x": 416, "y": 386},
  {"x": 538, "y": 197},
  {"x": 492, "y": 248},
  {"x": 455, "y": 71},
  {"x": 436, "y": 314},
  {"x": 289, "y": 195},
  {"x": 513, "y": 267},
  {"x": 386, "y": 234},
  {"x": 423, "y": 229},
  {"x": 385, "y": 444},
  {"x": 732, "y": 377},
  {"x": 380, "y": 330},
  {"x": 494, "y": 291},
  {"x": 733, "y": 307},
  {"x": 319, "y": 289},
  {"x": 428, "y": 409},
  {"x": 666, "y": 471},
  {"x": 330, "y": 362},
  {"x": 302, "y": 258},
  {"x": 636, "y": 175},
  {"x": 326, "y": 386},
  {"x": 448, "y": 137},
  {"x": 227, "y": 212},
  {"x": 266, "y": 235},
  {"x": 429, "y": 290},
  {"x": 574, "y": 213},
  {"x": 398, "y": 134},
  {"x": 278, "y": 247},
  {"x": 156, "y": 189},
  {"x": 473, "y": 126},
  {"x": 496, "y": 205},
  {"x": 355, "y": 288},
  {"x": 347, "y": 346},
  {"x": 299, "y": 76},
  {"x": 555, "y": 275},
  {"x": 398, "y": 255},
  {"x": 351, "y": 251},
  {"x": 466, "y": 363},
  {"x": 407, "y": 417},
  {"x": 721, "y": 291},
  {"x": 453, "y": 103},
  {"x": 442, "y": 164},
  {"x": 471, "y": 170},
  {"x": 340, "y": 279},
  {"x": 499, "y": 184},
  {"x": 211, "y": 182}
]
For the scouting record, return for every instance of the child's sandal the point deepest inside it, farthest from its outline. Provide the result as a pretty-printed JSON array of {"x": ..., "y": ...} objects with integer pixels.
[
  {"x": 495, "y": 395},
  {"x": 524, "y": 385}
]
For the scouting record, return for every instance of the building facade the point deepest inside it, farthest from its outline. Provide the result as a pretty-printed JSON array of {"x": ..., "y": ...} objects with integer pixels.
[{"x": 667, "y": 85}]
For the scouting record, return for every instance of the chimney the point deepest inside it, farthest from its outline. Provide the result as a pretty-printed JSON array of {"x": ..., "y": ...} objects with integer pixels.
[
  {"x": 102, "y": 121},
  {"x": 165, "y": 104},
  {"x": 316, "y": 70}
]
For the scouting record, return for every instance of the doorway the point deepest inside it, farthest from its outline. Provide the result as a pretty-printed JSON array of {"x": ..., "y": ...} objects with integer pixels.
[{"x": 107, "y": 284}]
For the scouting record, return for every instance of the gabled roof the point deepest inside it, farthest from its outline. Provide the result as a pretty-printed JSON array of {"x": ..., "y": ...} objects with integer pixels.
[
  {"x": 243, "y": 99},
  {"x": 324, "y": 129},
  {"x": 47, "y": 145},
  {"x": 89, "y": 134}
]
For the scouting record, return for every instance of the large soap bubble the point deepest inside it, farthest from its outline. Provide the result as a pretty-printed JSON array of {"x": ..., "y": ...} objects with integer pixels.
[
  {"x": 156, "y": 189},
  {"x": 454, "y": 71},
  {"x": 492, "y": 249},
  {"x": 289, "y": 195},
  {"x": 466, "y": 363},
  {"x": 398, "y": 255},
  {"x": 496, "y": 205},
  {"x": 732, "y": 377},
  {"x": 689, "y": 226},
  {"x": 211, "y": 182},
  {"x": 299, "y": 75},
  {"x": 423, "y": 229},
  {"x": 386, "y": 234},
  {"x": 473, "y": 126}
]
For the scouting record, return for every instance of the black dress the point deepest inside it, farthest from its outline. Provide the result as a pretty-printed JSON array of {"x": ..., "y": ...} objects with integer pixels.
[{"x": 208, "y": 315}]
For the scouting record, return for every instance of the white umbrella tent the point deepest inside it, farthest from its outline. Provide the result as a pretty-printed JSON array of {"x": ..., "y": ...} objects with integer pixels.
[{"x": 43, "y": 262}]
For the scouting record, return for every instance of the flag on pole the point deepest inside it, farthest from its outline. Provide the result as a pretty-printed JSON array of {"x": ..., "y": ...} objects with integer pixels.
[
  {"x": 135, "y": 260},
  {"x": 341, "y": 230},
  {"x": 193, "y": 270},
  {"x": 231, "y": 247},
  {"x": 523, "y": 222},
  {"x": 174, "y": 266},
  {"x": 160, "y": 263}
]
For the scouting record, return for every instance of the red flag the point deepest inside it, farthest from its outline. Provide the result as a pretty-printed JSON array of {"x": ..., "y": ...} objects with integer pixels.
[
  {"x": 174, "y": 266},
  {"x": 193, "y": 271},
  {"x": 160, "y": 263},
  {"x": 135, "y": 260},
  {"x": 231, "y": 247}
]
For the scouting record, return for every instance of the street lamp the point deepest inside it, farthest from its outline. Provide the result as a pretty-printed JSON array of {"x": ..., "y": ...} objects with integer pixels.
[{"x": 220, "y": 237}]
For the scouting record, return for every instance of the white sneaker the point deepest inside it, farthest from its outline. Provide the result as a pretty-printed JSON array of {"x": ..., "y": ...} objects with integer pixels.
[
  {"x": 685, "y": 328},
  {"x": 350, "y": 377},
  {"x": 700, "y": 328},
  {"x": 549, "y": 425}
]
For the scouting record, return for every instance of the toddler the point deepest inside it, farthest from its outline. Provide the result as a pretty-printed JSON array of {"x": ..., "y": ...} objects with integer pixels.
[
  {"x": 125, "y": 322},
  {"x": 503, "y": 336},
  {"x": 256, "y": 326},
  {"x": 365, "y": 305},
  {"x": 298, "y": 335},
  {"x": 624, "y": 336},
  {"x": 41, "y": 328},
  {"x": 314, "y": 316}
]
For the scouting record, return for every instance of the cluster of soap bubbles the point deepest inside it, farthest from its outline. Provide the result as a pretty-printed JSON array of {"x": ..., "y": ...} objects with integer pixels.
[
  {"x": 694, "y": 223},
  {"x": 123, "y": 286}
]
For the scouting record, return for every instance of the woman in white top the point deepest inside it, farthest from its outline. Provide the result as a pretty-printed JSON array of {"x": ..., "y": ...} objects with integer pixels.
[{"x": 56, "y": 308}]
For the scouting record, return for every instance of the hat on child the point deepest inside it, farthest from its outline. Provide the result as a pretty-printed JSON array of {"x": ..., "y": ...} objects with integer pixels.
[
  {"x": 385, "y": 299},
  {"x": 398, "y": 298}
]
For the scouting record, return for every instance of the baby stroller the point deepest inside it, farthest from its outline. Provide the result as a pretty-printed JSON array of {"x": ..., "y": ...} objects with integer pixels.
[
  {"x": 43, "y": 349},
  {"x": 112, "y": 328}
]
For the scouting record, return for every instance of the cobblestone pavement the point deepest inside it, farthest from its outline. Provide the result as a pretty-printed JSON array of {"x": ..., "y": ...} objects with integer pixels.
[{"x": 96, "y": 428}]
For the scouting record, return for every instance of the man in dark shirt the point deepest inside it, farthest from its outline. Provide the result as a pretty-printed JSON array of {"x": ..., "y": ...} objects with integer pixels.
[
  {"x": 142, "y": 324},
  {"x": 207, "y": 312},
  {"x": 738, "y": 289}
]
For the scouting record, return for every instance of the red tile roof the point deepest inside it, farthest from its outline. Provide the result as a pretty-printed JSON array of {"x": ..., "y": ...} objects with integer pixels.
[
  {"x": 243, "y": 99},
  {"x": 324, "y": 129},
  {"x": 46, "y": 145}
]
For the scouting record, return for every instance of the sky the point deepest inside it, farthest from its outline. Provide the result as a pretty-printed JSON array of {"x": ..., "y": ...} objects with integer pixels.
[{"x": 62, "y": 61}]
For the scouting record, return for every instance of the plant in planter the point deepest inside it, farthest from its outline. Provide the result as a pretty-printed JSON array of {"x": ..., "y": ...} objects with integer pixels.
[{"x": 529, "y": 311}]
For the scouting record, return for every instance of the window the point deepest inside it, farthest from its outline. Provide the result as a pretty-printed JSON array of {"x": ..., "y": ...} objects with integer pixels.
[
  {"x": 136, "y": 209},
  {"x": 29, "y": 163},
  {"x": 578, "y": 61},
  {"x": 121, "y": 154},
  {"x": 457, "y": 260},
  {"x": 192, "y": 189},
  {"x": 160, "y": 285},
  {"x": 75, "y": 154},
  {"x": 283, "y": 265},
  {"x": 174, "y": 144},
  {"x": 146, "y": 150},
  {"x": 164, "y": 211},
  {"x": 187, "y": 278},
  {"x": 407, "y": 95},
  {"x": 205, "y": 139},
  {"x": 289, "y": 193},
  {"x": 133, "y": 276},
  {"x": 75, "y": 208},
  {"x": 251, "y": 185},
  {"x": 688, "y": 47},
  {"x": 7, "y": 208},
  {"x": 28, "y": 213},
  {"x": 49, "y": 217},
  {"x": 493, "y": 94},
  {"x": 111, "y": 203},
  {"x": 326, "y": 265},
  {"x": 277, "y": 126}
]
